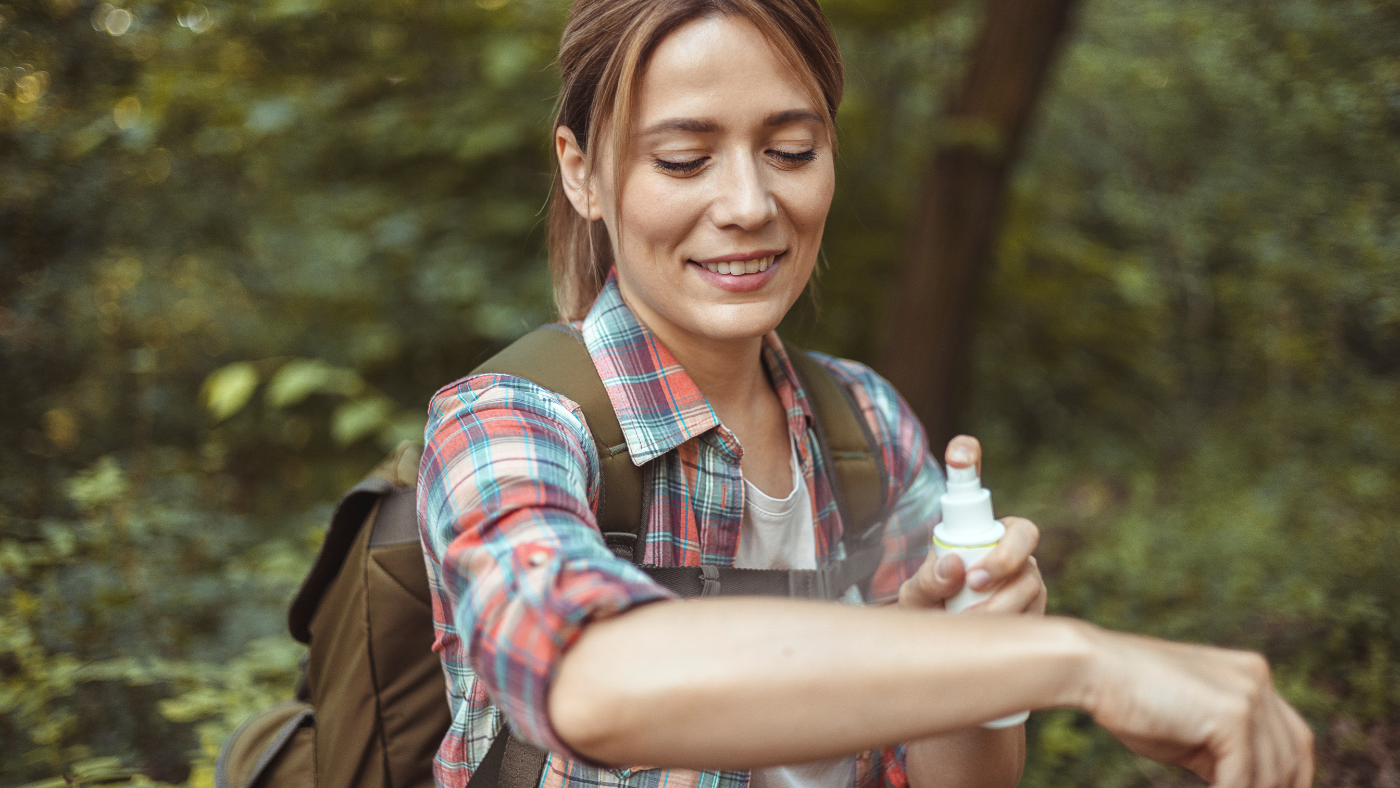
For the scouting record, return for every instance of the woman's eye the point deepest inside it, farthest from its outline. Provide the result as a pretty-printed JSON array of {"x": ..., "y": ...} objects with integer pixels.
[
  {"x": 680, "y": 167},
  {"x": 793, "y": 159}
]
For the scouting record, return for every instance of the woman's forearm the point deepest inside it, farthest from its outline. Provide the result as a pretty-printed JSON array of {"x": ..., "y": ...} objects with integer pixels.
[{"x": 742, "y": 683}]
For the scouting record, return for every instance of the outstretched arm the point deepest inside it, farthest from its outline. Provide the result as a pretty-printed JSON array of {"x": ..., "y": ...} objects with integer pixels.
[
  {"x": 744, "y": 683},
  {"x": 740, "y": 683}
]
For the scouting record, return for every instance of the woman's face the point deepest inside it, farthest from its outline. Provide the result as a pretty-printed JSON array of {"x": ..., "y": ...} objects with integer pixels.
[{"x": 724, "y": 190}]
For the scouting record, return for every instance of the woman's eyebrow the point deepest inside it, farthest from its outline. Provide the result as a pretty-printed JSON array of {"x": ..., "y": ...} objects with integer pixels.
[
  {"x": 701, "y": 126},
  {"x": 692, "y": 125},
  {"x": 791, "y": 116}
]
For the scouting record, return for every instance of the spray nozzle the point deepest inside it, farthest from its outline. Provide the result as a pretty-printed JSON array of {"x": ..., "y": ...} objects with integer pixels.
[
  {"x": 963, "y": 480},
  {"x": 967, "y": 510}
]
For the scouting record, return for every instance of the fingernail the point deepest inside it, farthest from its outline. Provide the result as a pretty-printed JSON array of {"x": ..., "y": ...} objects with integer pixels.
[
  {"x": 978, "y": 579},
  {"x": 960, "y": 455},
  {"x": 940, "y": 569}
]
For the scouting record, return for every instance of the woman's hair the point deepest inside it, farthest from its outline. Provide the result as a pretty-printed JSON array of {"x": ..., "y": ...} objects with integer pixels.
[{"x": 604, "y": 51}]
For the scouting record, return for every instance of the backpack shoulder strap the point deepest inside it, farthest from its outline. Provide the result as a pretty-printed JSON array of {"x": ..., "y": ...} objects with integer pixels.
[
  {"x": 854, "y": 457},
  {"x": 555, "y": 357}
]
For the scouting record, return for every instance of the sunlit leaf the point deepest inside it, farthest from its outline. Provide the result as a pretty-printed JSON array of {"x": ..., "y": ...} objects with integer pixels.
[
  {"x": 300, "y": 378},
  {"x": 227, "y": 390}
]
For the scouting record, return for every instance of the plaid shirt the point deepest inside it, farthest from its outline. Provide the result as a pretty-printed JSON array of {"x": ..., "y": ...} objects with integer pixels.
[{"x": 507, "y": 495}]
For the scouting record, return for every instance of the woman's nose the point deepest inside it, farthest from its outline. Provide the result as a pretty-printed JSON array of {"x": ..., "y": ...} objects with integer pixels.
[{"x": 745, "y": 200}]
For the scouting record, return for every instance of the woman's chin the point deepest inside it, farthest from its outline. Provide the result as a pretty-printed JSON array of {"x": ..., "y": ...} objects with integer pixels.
[
  {"x": 736, "y": 322},
  {"x": 695, "y": 307}
]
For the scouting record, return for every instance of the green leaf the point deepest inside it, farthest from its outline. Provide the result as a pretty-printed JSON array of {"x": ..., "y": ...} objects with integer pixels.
[
  {"x": 300, "y": 378},
  {"x": 227, "y": 390}
]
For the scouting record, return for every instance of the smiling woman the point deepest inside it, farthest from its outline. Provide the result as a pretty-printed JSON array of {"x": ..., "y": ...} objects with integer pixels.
[
  {"x": 727, "y": 169},
  {"x": 602, "y": 55},
  {"x": 695, "y": 145}
]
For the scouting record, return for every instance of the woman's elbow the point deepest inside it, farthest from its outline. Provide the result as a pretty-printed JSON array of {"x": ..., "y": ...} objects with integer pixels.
[
  {"x": 628, "y": 709},
  {"x": 591, "y": 713}
]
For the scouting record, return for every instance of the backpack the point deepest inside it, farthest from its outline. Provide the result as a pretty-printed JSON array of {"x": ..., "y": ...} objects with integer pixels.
[{"x": 371, "y": 706}]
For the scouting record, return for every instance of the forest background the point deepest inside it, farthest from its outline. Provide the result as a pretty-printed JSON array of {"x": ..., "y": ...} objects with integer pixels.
[{"x": 242, "y": 243}]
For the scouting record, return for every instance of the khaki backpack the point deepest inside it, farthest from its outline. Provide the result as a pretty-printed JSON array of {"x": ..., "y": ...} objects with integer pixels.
[{"x": 371, "y": 707}]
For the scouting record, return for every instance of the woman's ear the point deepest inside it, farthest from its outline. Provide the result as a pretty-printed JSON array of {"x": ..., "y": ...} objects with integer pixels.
[{"x": 573, "y": 173}]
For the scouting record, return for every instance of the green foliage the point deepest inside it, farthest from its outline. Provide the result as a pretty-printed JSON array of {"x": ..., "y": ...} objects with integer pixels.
[
  {"x": 1188, "y": 368},
  {"x": 242, "y": 243}
]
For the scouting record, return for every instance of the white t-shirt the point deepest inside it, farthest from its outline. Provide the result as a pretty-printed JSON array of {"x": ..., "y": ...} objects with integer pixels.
[{"x": 779, "y": 534}]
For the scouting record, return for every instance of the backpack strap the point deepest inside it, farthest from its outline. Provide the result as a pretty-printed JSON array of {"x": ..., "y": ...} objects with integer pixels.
[
  {"x": 555, "y": 357},
  {"x": 853, "y": 456}
]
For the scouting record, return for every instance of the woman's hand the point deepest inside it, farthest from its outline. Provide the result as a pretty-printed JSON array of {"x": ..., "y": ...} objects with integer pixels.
[
  {"x": 1212, "y": 710},
  {"x": 1010, "y": 567}
]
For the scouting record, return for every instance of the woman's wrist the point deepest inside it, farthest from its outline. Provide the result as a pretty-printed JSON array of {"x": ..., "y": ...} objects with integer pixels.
[{"x": 1077, "y": 646}]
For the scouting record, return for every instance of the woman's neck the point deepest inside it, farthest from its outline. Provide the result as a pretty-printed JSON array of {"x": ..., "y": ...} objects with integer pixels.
[{"x": 728, "y": 372}]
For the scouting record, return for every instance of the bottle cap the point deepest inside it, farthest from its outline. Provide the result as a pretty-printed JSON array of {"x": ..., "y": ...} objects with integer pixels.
[
  {"x": 963, "y": 480},
  {"x": 967, "y": 511}
]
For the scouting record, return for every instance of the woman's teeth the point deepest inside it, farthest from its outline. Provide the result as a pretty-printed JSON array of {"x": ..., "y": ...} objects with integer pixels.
[{"x": 742, "y": 267}]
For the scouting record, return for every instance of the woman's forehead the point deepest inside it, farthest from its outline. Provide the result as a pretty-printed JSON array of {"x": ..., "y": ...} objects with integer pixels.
[{"x": 717, "y": 70}]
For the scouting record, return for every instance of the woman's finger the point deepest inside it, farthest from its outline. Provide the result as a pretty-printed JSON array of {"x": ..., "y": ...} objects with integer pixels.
[
  {"x": 1234, "y": 769},
  {"x": 962, "y": 451},
  {"x": 1042, "y": 599},
  {"x": 1302, "y": 744},
  {"x": 1018, "y": 594},
  {"x": 936, "y": 580},
  {"x": 1293, "y": 752},
  {"x": 1271, "y": 760},
  {"x": 1008, "y": 557}
]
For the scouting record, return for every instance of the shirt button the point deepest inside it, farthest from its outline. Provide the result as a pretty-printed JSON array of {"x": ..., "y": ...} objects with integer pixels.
[{"x": 536, "y": 559}]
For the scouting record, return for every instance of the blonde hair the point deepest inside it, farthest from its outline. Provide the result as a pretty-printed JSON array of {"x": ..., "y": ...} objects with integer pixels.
[{"x": 602, "y": 56}]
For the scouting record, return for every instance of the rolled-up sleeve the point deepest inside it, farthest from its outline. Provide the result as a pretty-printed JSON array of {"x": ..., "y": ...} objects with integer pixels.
[{"x": 507, "y": 489}]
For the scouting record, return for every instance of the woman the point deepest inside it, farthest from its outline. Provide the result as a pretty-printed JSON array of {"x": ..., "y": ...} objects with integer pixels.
[{"x": 695, "y": 148}]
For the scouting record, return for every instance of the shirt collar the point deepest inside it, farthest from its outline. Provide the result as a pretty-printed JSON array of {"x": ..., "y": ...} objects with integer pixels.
[{"x": 658, "y": 406}]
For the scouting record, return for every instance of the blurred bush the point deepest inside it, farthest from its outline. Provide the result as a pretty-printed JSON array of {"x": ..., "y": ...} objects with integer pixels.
[
  {"x": 1188, "y": 368},
  {"x": 241, "y": 244}
]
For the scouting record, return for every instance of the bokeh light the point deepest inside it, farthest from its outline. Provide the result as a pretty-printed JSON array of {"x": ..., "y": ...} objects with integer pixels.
[
  {"x": 109, "y": 19},
  {"x": 127, "y": 112},
  {"x": 196, "y": 18}
]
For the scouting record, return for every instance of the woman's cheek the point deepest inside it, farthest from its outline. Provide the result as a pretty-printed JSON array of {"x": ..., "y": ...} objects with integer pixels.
[
  {"x": 813, "y": 200},
  {"x": 656, "y": 215}
]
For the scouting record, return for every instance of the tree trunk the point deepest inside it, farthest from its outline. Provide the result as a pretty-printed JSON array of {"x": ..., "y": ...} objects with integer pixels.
[{"x": 929, "y": 328}]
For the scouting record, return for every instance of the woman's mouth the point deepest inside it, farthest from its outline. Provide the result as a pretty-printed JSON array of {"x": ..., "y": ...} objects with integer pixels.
[
  {"x": 741, "y": 276},
  {"x": 740, "y": 267}
]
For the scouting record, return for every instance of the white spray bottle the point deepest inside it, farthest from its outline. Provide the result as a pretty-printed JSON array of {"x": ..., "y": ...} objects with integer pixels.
[{"x": 969, "y": 531}]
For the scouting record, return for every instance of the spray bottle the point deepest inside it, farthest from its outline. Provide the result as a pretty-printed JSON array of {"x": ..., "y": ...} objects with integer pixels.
[{"x": 969, "y": 531}]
